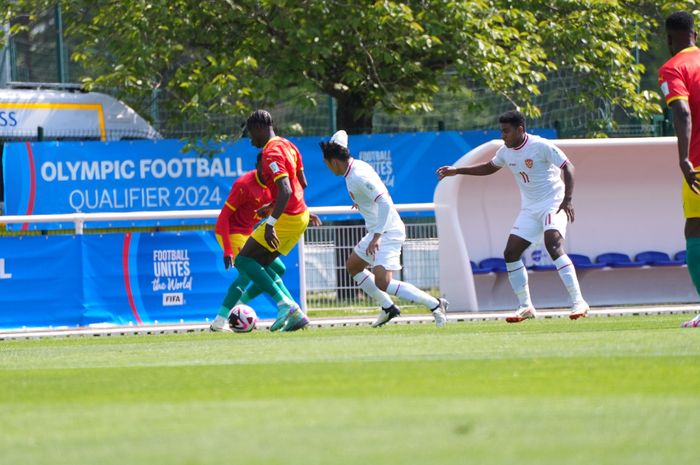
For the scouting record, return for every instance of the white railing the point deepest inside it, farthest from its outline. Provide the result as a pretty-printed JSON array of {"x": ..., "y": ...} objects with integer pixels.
[{"x": 80, "y": 219}]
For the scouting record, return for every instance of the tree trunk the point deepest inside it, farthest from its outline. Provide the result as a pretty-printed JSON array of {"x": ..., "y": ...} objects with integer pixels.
[{"x": 354, "y": 114}]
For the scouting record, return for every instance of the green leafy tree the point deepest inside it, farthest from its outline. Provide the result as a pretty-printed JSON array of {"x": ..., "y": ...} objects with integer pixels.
[{"x": 225, "y": 57}]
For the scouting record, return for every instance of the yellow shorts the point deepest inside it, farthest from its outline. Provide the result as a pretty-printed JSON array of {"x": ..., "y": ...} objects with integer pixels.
[
  {"x": 289, "y": 229},
  {"x": 691, "y": 202},
  {"x": 237, "y": 241}
]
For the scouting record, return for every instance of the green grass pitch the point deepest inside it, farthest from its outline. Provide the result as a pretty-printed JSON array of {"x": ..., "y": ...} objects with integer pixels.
[{"x": 596, "y": 391}]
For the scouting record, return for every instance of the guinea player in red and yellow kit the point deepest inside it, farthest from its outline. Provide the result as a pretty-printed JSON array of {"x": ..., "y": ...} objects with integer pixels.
[
  {"x": 282, "y": 173},
  {"x": 679, "y": 79}
]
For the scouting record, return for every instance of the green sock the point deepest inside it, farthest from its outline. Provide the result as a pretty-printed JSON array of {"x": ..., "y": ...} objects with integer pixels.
[
  {"x": 261, "y": 279},
  {"x": 235, "y": 291},
  {"x": 276, "y": 269},
  {"x": 224, "y": 311},
  {"x": 252, "y": 292},
  {"x": 692, "y": 247}
]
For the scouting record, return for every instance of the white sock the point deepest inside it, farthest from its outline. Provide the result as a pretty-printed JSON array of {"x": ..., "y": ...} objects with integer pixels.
[
  {"x": 408, "y": 291},
  {"x": 517, "y": 275},
  {"x": 365, "y": 280},
  {"x": 567, "y": 273}
]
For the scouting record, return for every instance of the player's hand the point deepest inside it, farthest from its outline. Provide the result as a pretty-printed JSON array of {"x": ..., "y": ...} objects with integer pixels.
[
  {"x": 445, "y": 171},
  {"x": 228, "y": 261},
  {"x": 264, "y": 211},
  {"x": 374, "y": 244},
  {"x": 692, "y": 176},
  {"x": 315, "y": 220},
  {"x": 568, "y": 209},
  {"x": 355, "y": 207},
  {"x": 271, "y": 236}
]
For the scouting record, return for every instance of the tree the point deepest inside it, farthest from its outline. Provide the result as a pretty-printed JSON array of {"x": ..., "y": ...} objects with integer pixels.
[{"x": 226, "y": 57}]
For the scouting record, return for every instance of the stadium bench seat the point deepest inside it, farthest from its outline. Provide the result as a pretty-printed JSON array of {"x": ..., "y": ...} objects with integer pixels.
[
  {"x": 655, "y": 258},
  {"x": 680, "y": 257},
  {"x": 497, "y": 265},
  {"x": 584, "y": 263},
  {"x": 476, "y": 269},
  {"x": 616, "y": 260},
  {"x": 543, "y": 267}
]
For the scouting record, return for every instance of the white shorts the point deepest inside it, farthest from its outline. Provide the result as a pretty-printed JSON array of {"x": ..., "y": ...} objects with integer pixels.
[
  {"x": 531, "y": 224},
  {"x": 389, "y": 253}
]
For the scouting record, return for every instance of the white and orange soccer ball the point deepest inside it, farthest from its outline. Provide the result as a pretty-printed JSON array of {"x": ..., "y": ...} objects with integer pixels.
[{"x": 242, "y": 319}]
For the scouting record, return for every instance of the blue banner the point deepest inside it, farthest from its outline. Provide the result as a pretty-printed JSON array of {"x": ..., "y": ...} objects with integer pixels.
[
  {"x": 67, "y": 177},
  {"x": 119, "y": 279}
]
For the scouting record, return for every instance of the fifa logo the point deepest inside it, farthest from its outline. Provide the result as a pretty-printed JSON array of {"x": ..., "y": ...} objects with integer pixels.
[
  {"x": 175, "y": 298},
  {"x": 4, "y": 275},
  {"x": 529, "y": 162}
]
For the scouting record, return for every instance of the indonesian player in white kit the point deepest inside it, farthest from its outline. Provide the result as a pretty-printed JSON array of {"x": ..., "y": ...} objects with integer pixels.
[
  {"x": 545, "y": 208},
  {"x": 380, "y": 248}
]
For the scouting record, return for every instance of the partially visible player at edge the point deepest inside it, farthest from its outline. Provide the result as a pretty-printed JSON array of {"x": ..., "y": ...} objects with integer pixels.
[
  {"x": 246, "y": 204},
  {"x": 545, "y": 207},
  {"x": 282, "y": 172},
  {"x": 679, "y": 79},
  {"x": 380, "y": 248}
]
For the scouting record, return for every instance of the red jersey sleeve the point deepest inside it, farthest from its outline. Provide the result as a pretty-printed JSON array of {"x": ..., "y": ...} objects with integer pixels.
[
  {"x": 274, "y": 164},
  {"x": 672, "y": 84}
]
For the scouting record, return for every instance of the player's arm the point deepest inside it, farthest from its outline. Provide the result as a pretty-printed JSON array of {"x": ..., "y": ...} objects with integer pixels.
[
  {"x": 482, "y": 169},
  {"x": 302, "y": 178},
  {"x": 222, "y": 229},
  {"x": 682, "y": 124},
  {"x": 284, "y": 193},
  {"x": 566, "y": 204}
]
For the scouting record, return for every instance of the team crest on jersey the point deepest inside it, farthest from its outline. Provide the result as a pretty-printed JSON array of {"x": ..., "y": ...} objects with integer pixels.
[
  {"x": 274, "y": 168},
  {"x": 529, "y": 162}
]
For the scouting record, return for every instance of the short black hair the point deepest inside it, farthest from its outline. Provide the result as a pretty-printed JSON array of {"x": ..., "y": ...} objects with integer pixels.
[
  {"x": 259, "y": 118},
  {"x": 512, "y": 117},
  {"x": 680, "y": 21},
  {"x": 332, "y": 150}
]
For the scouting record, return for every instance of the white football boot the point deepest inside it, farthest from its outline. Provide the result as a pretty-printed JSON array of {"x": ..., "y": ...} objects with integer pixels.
[
  {"x": 386, "y": 315},
  {"x": 220, "y": 325},
  {"x": 522, "y": 314},
  {"x": 579, "y": 310}
]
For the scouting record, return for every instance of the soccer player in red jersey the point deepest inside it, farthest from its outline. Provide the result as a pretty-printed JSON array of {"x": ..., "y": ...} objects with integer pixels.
[
  {"x": 679, "y": 79},
  {"x": 282, "y": 172},
  {"x": 248, "y": 200}
]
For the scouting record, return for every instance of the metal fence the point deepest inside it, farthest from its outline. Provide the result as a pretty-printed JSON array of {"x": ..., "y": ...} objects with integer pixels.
[{"x": 327, "y": 248}]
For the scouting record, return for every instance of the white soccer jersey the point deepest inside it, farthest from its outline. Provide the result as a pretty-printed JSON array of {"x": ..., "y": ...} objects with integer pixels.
[
  {"x": 365, "y": 188},
  {"x": 536, "y": 165}
]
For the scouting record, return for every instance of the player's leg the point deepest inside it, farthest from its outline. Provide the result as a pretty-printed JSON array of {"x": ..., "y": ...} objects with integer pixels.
[
  {"x": 236, "y": 291},
  {"x": 357, "y": 268},
  {"x": 257, "y": 255},
  {"x": 691, "y": 209},
  {"x": 517, "y": 273},
  {"x": 555, "y": 229},
  {"x": 388, "y": 260}
]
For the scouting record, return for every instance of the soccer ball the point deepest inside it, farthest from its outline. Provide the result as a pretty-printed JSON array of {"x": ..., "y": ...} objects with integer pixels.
[{"x": 242, "y": 319}]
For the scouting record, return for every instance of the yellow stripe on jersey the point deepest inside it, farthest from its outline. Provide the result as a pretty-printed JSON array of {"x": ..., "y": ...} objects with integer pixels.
[
  {"x": 677, "y": 97},
  {"x": 280, "y": 176},
  {"x": 231, "y": 206}
]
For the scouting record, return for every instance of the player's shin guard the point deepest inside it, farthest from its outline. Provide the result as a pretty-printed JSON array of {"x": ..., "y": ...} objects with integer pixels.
[
  {"x": 365, "y": 281},
  {"x": 408, "y": 291},
  {"x": 567, "y": 273},
  {"x": 276, "y": 269},
  {"x": 235, "y": 291},
  {"x": 692, "y": 245},
  {"x": 262, "y": 279},
  {"x": 517, "y": 275}
]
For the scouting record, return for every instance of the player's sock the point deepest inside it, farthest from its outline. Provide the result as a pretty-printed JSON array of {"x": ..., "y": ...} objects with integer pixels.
[
  {"x": 235, "y": 291},
  {"x": 276, "y": 270},
  {"x": 408, "y": 291},
  {"x": 261, "y": 279},
  {"x": 223, "y": 311},
  {"x": 252, "y": 292},
  {"x": 517, "y": 275},
  {"x": 692, "y": 247},
  {"x": 365, "y": 280},
  {"x": 567, "y": 273}
]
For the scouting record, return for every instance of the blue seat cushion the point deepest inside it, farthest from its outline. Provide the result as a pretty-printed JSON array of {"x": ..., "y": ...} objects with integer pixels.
[
  {"x": 583, "y": 262},
  {"x": 497, "y": 265},
  {"x": 616, "y": 260},
  {"x": 654, "y": 258}
]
